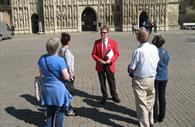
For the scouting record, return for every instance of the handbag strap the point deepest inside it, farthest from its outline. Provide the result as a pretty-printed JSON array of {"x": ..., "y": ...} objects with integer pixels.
[
  {"x": 66, "y": 61},
  {"x": 51, "y": 71}
]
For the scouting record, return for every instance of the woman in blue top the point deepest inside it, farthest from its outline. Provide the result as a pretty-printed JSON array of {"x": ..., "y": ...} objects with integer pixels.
[
  {"x": 54, "y": 95},
  {"x": 161, "y": 79}
]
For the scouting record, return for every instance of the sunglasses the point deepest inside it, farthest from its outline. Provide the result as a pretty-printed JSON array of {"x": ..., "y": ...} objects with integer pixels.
[{"x": 104, "y": 32}]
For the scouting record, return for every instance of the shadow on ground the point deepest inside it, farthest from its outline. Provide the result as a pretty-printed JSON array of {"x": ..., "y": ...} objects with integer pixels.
[
  {"x": 191, "y": 40},
  {"x": 104, "y": 117},
  {"x": 30, "y": 99},
  {"x": 80, "y": 93},
  {"x": 37, "y": 118},
  {"x": 27, "y": 115},
  {"x": 111, "y": 106}
]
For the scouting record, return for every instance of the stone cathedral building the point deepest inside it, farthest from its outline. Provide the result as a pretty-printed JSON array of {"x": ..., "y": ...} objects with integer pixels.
[{"x": 53, "y": 16}]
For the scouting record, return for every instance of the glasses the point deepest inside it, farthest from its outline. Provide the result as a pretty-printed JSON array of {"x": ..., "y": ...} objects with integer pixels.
[{"x": 104, "y": 32}]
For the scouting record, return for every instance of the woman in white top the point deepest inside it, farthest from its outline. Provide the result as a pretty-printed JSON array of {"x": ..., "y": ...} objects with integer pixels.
[{"x": 69, "y": 60}]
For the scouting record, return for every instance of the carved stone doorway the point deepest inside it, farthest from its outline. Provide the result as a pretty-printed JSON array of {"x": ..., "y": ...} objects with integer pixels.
[
  {"x": 89, "y": 20},
  {"x": 34, "y": 22},
  {"x": 143, "y": 19}
]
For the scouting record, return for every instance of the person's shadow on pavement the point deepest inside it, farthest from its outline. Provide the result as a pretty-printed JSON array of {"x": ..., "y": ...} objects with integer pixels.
[
  {"x": 33, "y": 117},
  {"x": 80, "y": 93},
  {"x": 103, "y": 117},
  {"x": 111, "y": 106},
  {"x": 30, "y": 99},
  {"x": 89, "y": 99},
  {"x": 27, "y": 115},
  {"x": 92, "y": 113}
]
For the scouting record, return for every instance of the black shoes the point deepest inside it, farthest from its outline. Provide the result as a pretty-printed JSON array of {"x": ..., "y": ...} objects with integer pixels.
[
  {"x": 158, "y": 120},
  {"x": 151, "y": 125},
  {"x": 117, "y": 100},
  {"x": 104, "y": 100}
]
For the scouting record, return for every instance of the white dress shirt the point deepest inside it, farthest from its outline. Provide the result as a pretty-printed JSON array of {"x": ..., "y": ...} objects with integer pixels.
[{"x": 145, "y": 60}]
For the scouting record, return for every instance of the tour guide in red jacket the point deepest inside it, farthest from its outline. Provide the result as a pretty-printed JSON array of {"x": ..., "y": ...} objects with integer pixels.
[{"x": 105, "y": 65}]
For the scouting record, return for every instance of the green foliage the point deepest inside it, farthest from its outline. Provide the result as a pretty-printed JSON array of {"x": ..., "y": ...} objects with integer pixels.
[
  {"x": 193, "y": 4},
  {"x": 190, "y": 13}
]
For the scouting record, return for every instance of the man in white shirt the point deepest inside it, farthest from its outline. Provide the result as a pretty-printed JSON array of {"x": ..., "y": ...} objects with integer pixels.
[{"x": 143, "y": 70}]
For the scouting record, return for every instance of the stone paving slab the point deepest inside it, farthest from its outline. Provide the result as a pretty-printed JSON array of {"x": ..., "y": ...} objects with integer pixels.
[{"x": 18, "y": 66}]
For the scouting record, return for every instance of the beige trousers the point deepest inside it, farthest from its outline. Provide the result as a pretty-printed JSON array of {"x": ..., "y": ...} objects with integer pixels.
[{"x": 144, "y": 98}]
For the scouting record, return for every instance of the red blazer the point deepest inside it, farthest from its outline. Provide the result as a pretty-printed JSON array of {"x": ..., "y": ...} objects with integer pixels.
[{"x": 97, "y": 53}]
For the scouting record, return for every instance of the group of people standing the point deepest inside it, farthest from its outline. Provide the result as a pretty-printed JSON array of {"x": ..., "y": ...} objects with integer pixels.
[{"x": 148, "y": 70}]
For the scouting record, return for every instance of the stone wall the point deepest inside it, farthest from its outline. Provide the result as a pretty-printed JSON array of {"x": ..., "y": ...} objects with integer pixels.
[
  {"x": 173, "y": 14},
  {"x": 66, "y": 15}
]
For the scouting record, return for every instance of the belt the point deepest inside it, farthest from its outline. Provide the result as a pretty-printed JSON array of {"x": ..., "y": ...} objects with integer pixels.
[{"x": 143, "y": 77}]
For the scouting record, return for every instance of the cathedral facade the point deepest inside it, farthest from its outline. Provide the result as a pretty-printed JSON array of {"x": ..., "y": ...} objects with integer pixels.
[{"x": 53, "y": 16}]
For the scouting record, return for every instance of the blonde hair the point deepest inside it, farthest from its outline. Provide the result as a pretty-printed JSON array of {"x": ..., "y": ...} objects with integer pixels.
[
  {"x": 104, "y": 27},
  {"x": 52, "y": 45}
]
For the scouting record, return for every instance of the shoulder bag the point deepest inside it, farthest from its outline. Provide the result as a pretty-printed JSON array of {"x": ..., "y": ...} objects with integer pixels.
[
  {"x": 71, "y": 82},
  {"x": 38, "y": 83},
  {"x": 66, "y": 82}
]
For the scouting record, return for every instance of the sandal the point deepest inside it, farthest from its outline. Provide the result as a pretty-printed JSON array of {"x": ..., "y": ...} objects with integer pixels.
[{"x": 71, "y": 113}]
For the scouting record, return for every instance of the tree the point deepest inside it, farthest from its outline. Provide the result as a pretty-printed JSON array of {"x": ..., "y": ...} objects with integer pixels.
[{"x": 190, "y": 10}]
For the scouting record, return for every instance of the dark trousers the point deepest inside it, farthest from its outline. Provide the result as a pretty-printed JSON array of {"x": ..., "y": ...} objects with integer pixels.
[
  {"x": 160, "y": 100},
  {"x": 107, "y": 73}
]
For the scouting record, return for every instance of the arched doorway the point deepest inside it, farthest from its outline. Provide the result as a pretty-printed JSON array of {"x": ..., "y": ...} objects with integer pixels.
[
  {"x": 89, "y": 20},
  {"x": 34, "y": 22},
  {"x": 143, "y": 19}
]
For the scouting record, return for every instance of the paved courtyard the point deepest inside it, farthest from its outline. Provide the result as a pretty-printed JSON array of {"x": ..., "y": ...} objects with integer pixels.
[{"x": 18, "y": 67}]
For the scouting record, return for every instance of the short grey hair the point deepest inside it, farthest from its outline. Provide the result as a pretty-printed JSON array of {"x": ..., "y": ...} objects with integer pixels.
[
  {"x": 143, "y": 35},
  {"x": 52, "y": 45}
]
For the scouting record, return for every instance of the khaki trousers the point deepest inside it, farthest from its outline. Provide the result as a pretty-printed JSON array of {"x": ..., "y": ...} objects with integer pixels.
[{"x": 144, "y": 98}]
